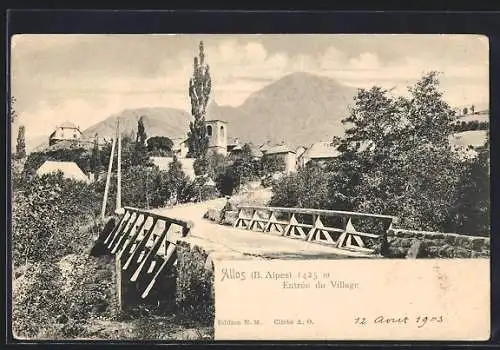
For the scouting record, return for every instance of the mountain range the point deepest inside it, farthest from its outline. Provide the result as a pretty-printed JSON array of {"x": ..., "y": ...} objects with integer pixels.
[{"x": 299, "y": 109}]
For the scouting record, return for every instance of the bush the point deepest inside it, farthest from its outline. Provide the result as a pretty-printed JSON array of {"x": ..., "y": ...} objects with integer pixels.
[
  {"x": 37, "y": 300},
  {"x": 57, "y": 300},
  {"x": 308, "y": 188},
  {"x": 395, "y": 158},
  {"x": 46, "y": 213},
  {"x": 79, "y": 155}
]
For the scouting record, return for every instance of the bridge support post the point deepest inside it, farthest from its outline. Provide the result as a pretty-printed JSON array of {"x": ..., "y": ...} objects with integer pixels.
[{"x": 119, "y": 285}]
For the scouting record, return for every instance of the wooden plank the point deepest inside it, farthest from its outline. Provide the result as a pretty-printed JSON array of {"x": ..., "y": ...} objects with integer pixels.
[
  {"x": 252, "y": 220},
  {"x": 126, "y": 228},
  {"x": 301, "y": 231},
  {"x": 124, "y": 218},
  {"x": 117, "y": 228},
  {"x": 151, "y": 267},
  {"x": 177, "y": 221},
  {"x": 127, "y": 243},
  {"x": 364, "y": 234},
  {"x": 138, "y": 248},
  {"x": 138, "y": 229},
  {"x": 122, "y": 240},
  {"x": 236, "y": 223},
  {"x": 170, "y": 258},
  {"x": 126, "y": 232},
  {"x": 311, "y": 234},
  {"x": 147, "y": 259},
  {"x": 360, "y": 249},
  {"x": 358, "y": 240},
  {"x": 341, "y": 239},
  {"x": 270, "y": 222},
  {"x": 328, "y": 236},
  {"x": 319, "y": 212}
]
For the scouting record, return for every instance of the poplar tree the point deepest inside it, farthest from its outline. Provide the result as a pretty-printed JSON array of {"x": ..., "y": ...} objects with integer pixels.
[
  {"x": 21, "y": 144},
  {"x": 200, "y": 86},
  {"x": 140, "y": 155}
]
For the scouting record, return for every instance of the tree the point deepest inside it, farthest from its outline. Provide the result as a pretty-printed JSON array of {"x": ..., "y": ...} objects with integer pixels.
[
  {"x": 471, "y": 212},
  {"x": 21, "y": 145},
  {"x": 12, "y": 109},
  {"x": 271, "y": 164},
  {"x": 244, "y": 166},
  {"x": 160, "y": 145},
  {"x": 385, "y": 163},
  {"x": 200, "y": 86},
  {"x": 140, "y": 155},
  {"x": 308, "y": 188},
  {"x": 177, "y": 180}
]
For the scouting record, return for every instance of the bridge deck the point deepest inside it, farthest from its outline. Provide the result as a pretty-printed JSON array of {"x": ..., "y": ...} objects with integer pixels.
[{"x": 225, "y": 241}]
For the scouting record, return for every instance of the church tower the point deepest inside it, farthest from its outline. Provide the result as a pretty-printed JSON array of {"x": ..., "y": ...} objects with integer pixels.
[{"x": 217, "y": 136}]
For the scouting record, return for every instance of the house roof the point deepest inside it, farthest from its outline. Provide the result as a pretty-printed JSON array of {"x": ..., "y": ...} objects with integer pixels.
[
  {"x": 67, "y": 125},
  {"x": 256, "y": 152},
  {"x": 323, "y": 149},
  {"x": 177, "y": 143},
  {"x": 279, "y": 149},
  {"x": 216, "y": 120},
  {"x": 186, "y": 164},
  {"x": 265, "y": 146},
  {"x": 70, "y": 170}
]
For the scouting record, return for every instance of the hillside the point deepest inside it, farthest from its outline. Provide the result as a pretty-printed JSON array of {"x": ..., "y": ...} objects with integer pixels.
[
  {"x": 158, "y": 121},
  {"x": 299, "y": 108}
]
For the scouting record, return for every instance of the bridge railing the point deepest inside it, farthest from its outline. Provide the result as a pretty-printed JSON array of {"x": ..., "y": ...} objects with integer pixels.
[
  {"x": 336, "y": 228},
  {"x": 145, "y": 244}
]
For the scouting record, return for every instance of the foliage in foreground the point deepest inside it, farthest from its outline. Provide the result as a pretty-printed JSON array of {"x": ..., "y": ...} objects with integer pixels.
[
  {"x": 396, "y": 159},
  {"x": 56, "y": 287}
]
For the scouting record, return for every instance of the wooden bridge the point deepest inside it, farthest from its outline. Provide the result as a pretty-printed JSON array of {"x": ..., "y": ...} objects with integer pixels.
[
  {"x": 295, "y": 221},
  {"x": 144, "y": 241},
  {"x": 144, "y": 244}
]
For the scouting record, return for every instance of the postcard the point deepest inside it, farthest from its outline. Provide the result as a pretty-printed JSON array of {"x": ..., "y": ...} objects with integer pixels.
[{"x": 250, "y": 187}]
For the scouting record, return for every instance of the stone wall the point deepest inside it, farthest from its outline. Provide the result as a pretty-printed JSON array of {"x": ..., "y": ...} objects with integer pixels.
[{"x": 437, "y": 244}]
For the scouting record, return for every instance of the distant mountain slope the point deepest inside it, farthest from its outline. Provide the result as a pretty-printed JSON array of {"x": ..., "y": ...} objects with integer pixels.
[
  {"x": 158, "y": 121},
  {"x": 300, "y": 108}
]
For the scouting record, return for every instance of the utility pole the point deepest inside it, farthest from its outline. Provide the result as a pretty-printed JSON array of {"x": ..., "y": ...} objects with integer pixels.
[
  {"x": 119, "y": 210},
  {"x": 108, "y": 180}
]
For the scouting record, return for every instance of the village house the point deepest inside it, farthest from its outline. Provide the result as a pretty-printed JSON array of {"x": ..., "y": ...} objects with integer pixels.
[
  {"x": 234, "y": 149},
  {"x": 284, "y": 152},
  {"x": 180, "y": 147},
  {"x": 65, "y": 132},
  {"x": 163, "y": 164},
  {"x": 318, "y": 152}
]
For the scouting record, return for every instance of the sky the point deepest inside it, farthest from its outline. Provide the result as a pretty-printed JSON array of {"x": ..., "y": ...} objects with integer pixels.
[{"x": 86, "y": 78}]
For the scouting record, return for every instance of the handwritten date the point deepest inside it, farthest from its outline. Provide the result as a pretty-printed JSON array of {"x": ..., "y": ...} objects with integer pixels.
[{"x": 420, "y": 321}]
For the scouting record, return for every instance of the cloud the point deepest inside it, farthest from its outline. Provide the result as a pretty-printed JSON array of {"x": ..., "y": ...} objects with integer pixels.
[
  {"x": 86, "y": 78},
  {"x": 365, "y": 61}
]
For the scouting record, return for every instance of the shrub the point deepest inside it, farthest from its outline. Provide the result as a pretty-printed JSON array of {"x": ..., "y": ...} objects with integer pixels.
[
  {"x": 46, "y": 213},
  {"x": 37, "y": 300}
]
